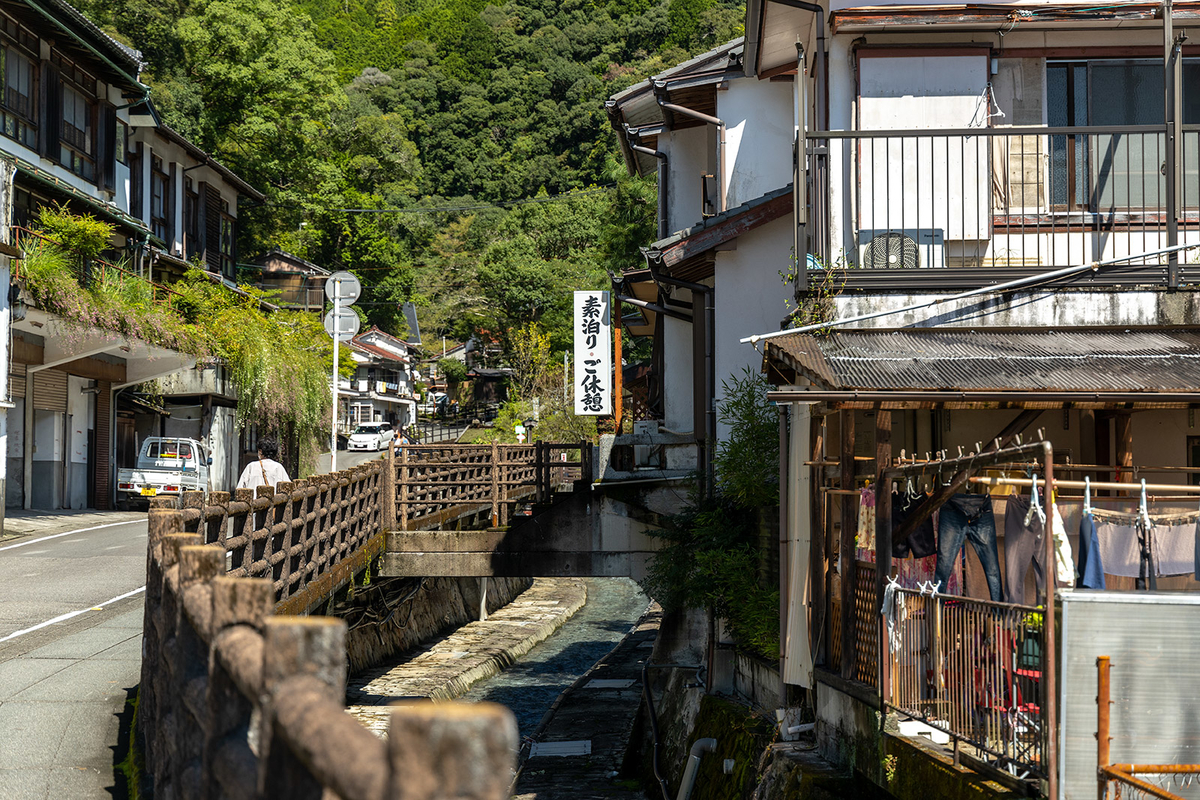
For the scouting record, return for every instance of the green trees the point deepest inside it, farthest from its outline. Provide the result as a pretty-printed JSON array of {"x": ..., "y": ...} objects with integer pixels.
[{"x": 350, "y": 114}]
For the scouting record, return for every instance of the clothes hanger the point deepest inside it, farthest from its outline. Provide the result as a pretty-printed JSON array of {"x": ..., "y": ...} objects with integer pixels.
[
  {"x": 1143, "y": 510},
  {"x": 1035, "y": 502},
  {"x": 1087, "y": 495}
]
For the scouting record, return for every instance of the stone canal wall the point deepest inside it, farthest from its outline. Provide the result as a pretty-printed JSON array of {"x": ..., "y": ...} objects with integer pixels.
[{"x": 391, "y": 617}]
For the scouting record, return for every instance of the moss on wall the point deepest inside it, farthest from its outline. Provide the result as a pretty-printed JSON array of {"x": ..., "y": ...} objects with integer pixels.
[{"x": 741, "y": 736}]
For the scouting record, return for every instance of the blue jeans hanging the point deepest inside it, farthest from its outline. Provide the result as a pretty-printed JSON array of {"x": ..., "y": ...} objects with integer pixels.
[{"x": 969, "y": 516}]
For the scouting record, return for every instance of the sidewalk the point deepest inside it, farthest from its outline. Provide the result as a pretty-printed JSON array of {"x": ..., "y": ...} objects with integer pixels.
[
  {"x": 447, "y": 668},
  {"x": 603, "y": 706},
  {"x": 40, "y": 522}
]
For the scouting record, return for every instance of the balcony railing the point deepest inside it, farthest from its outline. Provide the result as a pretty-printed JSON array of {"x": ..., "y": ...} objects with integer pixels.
[
  {"x": 972, "y": 669},
  {"x": 962, "y": 208}
]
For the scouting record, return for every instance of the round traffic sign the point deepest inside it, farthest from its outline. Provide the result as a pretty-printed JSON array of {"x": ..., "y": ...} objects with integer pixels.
[
  {"x": 344, "y": 286},
  {"x": 347, "y": 325}
]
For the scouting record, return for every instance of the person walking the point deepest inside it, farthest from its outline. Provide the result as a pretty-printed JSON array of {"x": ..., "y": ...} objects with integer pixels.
[
  {"x": 402, "y": 438},
  {"x": 266, "y": 471}
]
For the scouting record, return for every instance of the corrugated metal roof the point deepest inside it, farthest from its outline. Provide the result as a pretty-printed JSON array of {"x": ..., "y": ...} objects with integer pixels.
[{"x": 967, "y": 360}]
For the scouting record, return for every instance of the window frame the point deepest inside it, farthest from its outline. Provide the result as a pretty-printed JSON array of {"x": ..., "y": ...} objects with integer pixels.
[
  {"x": 160, "y": 178},
  {"x": 15, "y": 124},
  {"x": 79, "y": 158}
]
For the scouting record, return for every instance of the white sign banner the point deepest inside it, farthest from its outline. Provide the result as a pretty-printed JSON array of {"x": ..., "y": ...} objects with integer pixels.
[{"x": 593, "y": 355}]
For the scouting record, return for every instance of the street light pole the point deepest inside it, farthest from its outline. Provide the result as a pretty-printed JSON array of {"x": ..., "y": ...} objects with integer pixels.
[{"x": 337, "y": 318}]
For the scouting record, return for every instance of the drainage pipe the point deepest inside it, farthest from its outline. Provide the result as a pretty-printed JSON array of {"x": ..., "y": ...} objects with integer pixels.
[
  {"x": 700, "y": 747},
  {"x": 663, "y": 163},
  {"x": 711, "y": 120},
  {"x": 648, "y": 694}
]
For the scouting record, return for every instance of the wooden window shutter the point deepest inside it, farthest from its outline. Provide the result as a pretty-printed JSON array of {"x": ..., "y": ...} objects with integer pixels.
[
  {"x": 52, "y": 113},
  {"x": 212, "y": 228},
  {"x": 172, "y": 211},
  {"x": 106, "y": 142}
]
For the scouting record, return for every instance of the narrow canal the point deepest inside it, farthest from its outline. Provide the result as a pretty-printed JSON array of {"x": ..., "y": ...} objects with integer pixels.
[{"x": 530, "y": 686}]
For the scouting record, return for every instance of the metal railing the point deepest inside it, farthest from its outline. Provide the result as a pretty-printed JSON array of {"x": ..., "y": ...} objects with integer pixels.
[
  {"x": 87, "y": 270},
  {"x": 1011, "y": 202},
  {"x": 436, "y": 484},
  {"x": 973, "y": 670}
]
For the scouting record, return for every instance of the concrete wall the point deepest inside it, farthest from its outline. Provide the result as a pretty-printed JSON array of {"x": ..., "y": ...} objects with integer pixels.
[
  {"x": 690, "y": 157},
  {"x": 677, "y": 371},
  {"x": 80, "y": 419},
  {"x": 750, "y": 298},
  {"x": 758, "y": 138},
  {"x": 48, "y": 450},
  {"x": 14, "y": 487}
]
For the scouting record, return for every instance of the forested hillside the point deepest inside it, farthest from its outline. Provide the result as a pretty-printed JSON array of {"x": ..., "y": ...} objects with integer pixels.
[{"x": 455, "y": 112}]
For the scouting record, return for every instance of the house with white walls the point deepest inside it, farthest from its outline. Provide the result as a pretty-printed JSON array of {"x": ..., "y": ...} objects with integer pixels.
[{"x": 994, "y": 205}]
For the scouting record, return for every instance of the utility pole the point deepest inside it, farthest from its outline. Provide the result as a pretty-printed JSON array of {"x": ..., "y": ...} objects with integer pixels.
[{"x": 337, "y": 314}]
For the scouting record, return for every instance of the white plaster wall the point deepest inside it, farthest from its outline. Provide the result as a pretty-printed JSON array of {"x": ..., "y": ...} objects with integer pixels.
[
  {"x": 79, "y": 420},
  {"x": 689, "y": 157},
  {"x": 750, "y": 299},
  {"x": 758, "y": 137},
  {"x": 1040, "y": 308},
  {"x": 677, "y": 369}
]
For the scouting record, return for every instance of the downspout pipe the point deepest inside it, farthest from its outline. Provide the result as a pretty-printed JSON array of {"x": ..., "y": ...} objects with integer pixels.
[
  {"x": 699, "y": 748},
  {"x": 663, "y": 169},
  {"x": 660, "y": 92}
]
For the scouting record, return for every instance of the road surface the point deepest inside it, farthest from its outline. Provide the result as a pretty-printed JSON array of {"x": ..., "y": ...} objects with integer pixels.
[{"x": 70, "y": 654}]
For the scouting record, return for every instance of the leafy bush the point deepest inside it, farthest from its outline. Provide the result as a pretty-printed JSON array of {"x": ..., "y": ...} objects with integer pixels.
[
  {"x": 709, "y": 557},
  {"x": 747, "y": 463},
  {"x": 82, "y": 234}
]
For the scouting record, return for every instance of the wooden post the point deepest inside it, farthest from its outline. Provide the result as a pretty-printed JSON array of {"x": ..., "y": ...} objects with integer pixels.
[
  {"x": 883, "y": 541},
  {"x": 403, "y": 481},
  {"x": 1124, "y": 437},
  {"x": 846, "y": 560},
  {"x": 289, "y": 540},
  {"x": 292, "y": 646},
  {"x": 618, "y": 373},
  {"x": 194, "y": 500},
  {"x": 819, "y": 543},
  {"x": 216, "y": 529},
  {"x": 785, "y": 481},
  {"x": 387, "y": 492},
  {"x": 460, "y": 750},
  {"x": 495, "y": 484},
  {"x": 1103, "y": 708}
]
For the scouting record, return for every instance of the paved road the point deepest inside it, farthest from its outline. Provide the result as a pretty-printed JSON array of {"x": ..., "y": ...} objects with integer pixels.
[
  {"x": 70, "y": 653},
  {"x": 346, "y": 459}
]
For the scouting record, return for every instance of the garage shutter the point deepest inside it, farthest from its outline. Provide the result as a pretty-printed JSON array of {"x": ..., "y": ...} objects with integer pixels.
[
  {"x": 16, "y": 381},
  {"x": 50, "y": 390}
]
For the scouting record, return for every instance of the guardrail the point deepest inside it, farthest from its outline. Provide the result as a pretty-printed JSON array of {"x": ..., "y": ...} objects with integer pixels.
[
  {"x": 308, "y": 537},
  {"x": 237, "y": 702},
  {"x": 437, "y": 482},
  {"x": 973, "y": 670}
]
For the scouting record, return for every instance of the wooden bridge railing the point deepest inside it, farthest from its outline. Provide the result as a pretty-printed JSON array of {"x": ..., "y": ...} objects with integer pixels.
[
  {"x": 236, "y": 702},
  {"x": 307, "y": 537},
  {"x": 437, "y": 483}
]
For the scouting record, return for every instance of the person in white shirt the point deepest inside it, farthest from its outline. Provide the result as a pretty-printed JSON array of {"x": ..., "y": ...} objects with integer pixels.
[{"x": 266, "y": 471}]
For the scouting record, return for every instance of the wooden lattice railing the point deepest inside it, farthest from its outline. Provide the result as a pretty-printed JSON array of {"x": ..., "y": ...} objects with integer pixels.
[
  {"x": 438, "y": 483},
  {"x": 236, "y": 701},
  {"x": 314, "y": 532}
]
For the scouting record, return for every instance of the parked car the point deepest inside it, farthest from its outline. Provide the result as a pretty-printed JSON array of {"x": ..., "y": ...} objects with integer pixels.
[
  {"x": 165, "y": 466},
  {"x": 371, "y": 436},
  {"x": 434, "y": 403}
]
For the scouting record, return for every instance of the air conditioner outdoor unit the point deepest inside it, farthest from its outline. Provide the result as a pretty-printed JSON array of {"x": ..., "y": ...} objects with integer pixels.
[{"x": 901, "y": 248}]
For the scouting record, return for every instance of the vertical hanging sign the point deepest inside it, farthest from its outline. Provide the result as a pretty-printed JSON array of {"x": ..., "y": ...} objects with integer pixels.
[{"x": 593, "y": 357}]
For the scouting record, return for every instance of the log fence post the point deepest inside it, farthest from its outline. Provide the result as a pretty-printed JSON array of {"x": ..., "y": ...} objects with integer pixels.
[
  {"x": 296, "y": 646},
  {"x": 459, "y": 750}
]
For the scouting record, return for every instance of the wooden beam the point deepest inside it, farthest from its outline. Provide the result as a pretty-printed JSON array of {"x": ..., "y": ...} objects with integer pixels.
[
  {"x": 1124, "y": 440},
  {"x": 944, "y": 493},
  {"x": 731, "y": 228},
  {"x": 846, "y": 560},
  {"x": 820, "y": 545},
  {"x": 883, "y": 537}
]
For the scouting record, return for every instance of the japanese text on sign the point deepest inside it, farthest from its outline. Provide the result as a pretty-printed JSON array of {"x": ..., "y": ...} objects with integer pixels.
[{"x": 593, "y": 357}]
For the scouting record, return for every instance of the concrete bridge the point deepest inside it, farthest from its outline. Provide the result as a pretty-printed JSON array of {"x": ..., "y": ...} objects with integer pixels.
[
  {"x": 242, "y": 692},
  {"x": 504, "y": 511}
]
